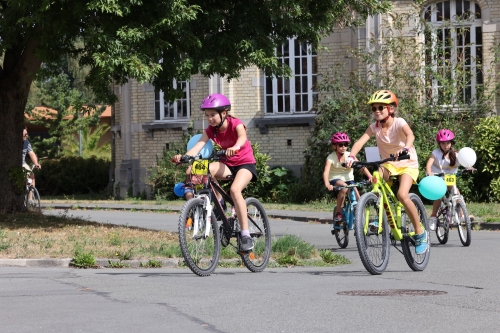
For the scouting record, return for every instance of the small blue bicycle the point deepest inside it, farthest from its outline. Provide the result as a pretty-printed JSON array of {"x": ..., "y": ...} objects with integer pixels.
[{"x": 341, "y": 231}]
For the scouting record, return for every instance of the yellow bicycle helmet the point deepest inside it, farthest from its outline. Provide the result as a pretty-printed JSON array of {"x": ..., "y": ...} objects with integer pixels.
[{"x": 383, "y": 97}]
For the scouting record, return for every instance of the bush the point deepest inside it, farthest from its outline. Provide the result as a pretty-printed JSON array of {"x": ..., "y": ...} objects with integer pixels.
[
  {"x": 487, "y": 148},
  {"x": 163, "y": 176},
  {"x": 72, "y": 175}
]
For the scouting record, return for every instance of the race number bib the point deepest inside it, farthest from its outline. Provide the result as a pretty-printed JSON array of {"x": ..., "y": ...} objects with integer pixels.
[
  {"x": 200, "y": 167},
  {"x": 450, "y": 179}
]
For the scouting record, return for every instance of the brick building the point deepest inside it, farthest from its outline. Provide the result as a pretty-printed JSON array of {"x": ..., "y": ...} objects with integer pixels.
[{"x": 275, "y": 111}]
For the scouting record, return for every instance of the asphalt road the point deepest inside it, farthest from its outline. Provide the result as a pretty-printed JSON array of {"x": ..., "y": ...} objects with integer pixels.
[{"x": 464, "y": 281}]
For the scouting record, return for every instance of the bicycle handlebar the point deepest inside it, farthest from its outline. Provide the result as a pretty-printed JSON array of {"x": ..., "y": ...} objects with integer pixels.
[
  {"x": 216, "y": 155},
  {"x": 459, "y": 172},
  {"x": 359, "y": 164},
  {"x": 361, "y": 183}
]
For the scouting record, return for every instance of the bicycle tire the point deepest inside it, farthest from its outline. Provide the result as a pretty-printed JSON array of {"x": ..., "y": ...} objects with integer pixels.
[
  {"x": 259, "y": 228},
  {"x": 32, "y": 205},
  {"x": 374, "y": 246},
  {"x": 200, "y": 254},
  {"x": 464, "y": 228},
  {"x": 442, "y": 226},
  {"x": 342, "y": 236},
  {"x": 417, "y": 262}
]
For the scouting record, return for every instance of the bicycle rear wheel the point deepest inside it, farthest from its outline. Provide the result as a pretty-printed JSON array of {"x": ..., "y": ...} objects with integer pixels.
[
  {"x": 462, "y": 219},
  {"x": 258, "y": 225},
  {"x": 373, "y": 242},
  {"x": 442, "y": 226},
  {"x": 200, "y": 253},
  {"x": 417, "y": 262},
  {"x": 32, "y": 200}
]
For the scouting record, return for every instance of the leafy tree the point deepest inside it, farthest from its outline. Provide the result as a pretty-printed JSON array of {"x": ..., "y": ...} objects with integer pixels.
[
  {"x": 149, "y": 40},
  {"x": 90, "y": 143}
]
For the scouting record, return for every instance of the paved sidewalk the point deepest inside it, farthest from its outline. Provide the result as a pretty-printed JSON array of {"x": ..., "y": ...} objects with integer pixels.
[{"x": 295, "y": 215}]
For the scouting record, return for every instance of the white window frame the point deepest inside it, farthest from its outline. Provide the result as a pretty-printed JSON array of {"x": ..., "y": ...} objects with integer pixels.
[
  {"x": 453, "y": 25},
  {"x": 273, "y": 97},
  {"x": 176, "y": 105}
]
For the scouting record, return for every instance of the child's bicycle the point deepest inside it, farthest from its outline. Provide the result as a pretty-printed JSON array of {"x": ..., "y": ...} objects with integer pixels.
[
  {"x": 341, "y": 231},
  {"x": 31, "y": 195},
  {"x": 199, "y": 234},
  {"x": 453, "y": 211},
  {"x": 381, "y": 221}
]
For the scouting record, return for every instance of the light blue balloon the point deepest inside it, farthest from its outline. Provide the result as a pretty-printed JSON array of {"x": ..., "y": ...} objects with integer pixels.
[
  {"x": 432, "y": 187},
  {"x": 179, "y": 189},
  {"x": 206, "y": 151}
]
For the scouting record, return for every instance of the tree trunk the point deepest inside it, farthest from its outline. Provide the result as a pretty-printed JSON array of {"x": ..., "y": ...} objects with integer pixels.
[{"x": 16, "y": 76}]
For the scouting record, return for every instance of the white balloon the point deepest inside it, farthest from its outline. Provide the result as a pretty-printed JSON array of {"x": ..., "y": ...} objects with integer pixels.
[{"x": 466, "y": 157}]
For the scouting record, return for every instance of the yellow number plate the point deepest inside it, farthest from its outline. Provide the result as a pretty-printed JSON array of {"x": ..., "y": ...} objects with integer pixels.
[
  {"x": 450, "y": 179},
  {"x": 200, "y": 167}
]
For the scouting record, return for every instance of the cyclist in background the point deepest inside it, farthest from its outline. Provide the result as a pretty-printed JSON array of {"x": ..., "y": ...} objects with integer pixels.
[
  {"x": 394, "y": 136},
  {"x": 27, "y": 150},
  {"x": 443, "y": 159},
  {"x": 229, "y": 133},
  {"x": 335, "y": 174}
]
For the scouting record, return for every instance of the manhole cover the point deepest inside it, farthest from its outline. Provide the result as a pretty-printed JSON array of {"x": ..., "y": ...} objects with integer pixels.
[{"x": 392, "y": 292}]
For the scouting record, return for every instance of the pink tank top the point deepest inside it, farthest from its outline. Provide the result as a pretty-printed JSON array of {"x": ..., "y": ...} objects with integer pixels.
[{"x": 227, "y": 139}]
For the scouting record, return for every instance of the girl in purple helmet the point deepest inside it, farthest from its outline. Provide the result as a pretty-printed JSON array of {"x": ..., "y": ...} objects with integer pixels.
[
  {"x": 443, "y": 159},
  {"x": 230, "y": 134},
  {"x": 335, "y": 174}
]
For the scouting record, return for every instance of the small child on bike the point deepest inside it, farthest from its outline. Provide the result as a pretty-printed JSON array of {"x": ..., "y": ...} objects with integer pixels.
[
  {"x": 335, "y": 174},
  {"x": 394, "y": 136},
  {"x": 229, "y": 133},
  {"x": 442, "y": 159}
]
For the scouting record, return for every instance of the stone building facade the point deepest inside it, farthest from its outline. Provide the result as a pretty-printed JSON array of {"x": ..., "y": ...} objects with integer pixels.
[{"x": 275, "y": 111}]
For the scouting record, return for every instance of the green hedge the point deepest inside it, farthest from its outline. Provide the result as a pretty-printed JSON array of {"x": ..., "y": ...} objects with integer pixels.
[{"x": 72, "y": 175}]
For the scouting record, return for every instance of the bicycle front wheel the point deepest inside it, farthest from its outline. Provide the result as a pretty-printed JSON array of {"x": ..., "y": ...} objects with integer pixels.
[
  {"x": 417, "y": 262},
  {"x": 442, "y": 225},
  {"x": 373, "y": 242},
  {"x": 342, "y": 232},
  {"x": 201, "y": 252},
  {"x": 462, "y": 219},
  {"x": 258, "y": 226},
  {"x": 32, "y": 200},
  {"x": 342, "y": 235}
]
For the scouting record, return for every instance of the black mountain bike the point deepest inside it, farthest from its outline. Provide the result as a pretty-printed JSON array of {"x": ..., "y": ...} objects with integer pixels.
[{"x": 200, "y": 234}]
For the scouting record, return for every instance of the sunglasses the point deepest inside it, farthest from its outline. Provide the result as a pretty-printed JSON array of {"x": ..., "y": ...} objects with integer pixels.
[
  {"x": 341, "y": 144},
  {"x": 379, "y": 108}
]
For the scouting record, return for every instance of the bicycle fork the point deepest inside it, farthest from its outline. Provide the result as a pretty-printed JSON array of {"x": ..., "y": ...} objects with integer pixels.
[{"x": 207, "y": 207}]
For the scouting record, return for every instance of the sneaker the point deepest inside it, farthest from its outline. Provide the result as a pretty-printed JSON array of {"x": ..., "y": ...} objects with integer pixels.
[
  {"x": 420, "y": 243},
  {"x": 432, "y": 223},
  {"x": 373, "y": 226},
  {"x": 246, "y": 244},
  {"x": 337, "y": 220}
]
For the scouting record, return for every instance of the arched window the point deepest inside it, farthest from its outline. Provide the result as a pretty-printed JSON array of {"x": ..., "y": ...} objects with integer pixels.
[
  {"x": 456, "y": 52},
  {"x": 296, "y": 94}
]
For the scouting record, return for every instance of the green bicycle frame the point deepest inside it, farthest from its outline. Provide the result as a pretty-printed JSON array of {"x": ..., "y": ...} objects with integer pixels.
[{"x": 384, "y": 192}]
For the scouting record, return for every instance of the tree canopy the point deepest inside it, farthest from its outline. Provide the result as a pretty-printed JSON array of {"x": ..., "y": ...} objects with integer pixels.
[{"x": 149, "y": 40}]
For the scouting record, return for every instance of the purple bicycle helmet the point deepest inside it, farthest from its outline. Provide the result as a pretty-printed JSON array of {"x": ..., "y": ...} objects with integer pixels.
[
  {"x": 218, "y": 102},
  {"x": 340, "y": 137},
  {"x": 445, "y": 135}
]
